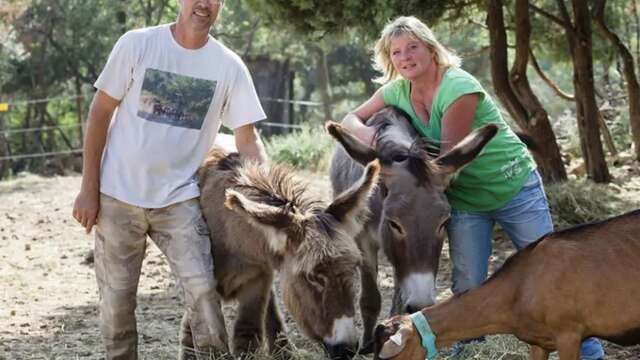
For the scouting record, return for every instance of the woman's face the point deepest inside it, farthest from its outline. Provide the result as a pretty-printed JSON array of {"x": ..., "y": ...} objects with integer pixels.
[{"x": 410, "y": 56}]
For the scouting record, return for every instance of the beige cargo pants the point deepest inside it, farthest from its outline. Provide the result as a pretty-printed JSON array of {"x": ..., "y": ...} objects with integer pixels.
[{"x": 181, "y": 233}]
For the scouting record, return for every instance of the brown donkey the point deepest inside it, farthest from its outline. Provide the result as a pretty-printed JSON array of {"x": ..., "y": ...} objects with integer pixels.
[
  {"x": 263, "y": 218},
  {"x": 569, "y": 285},
  {"x": 409, "y": 209}
]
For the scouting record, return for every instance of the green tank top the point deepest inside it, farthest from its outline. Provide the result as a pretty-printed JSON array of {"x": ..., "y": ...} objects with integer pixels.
[{"x": 504, "y": 165}]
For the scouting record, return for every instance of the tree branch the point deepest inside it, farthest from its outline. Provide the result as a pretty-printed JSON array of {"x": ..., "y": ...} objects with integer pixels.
[
  {"x": 565, "y": 14},
  {"x": 550, "y": 16},
  {"x": 551, "y": 83}
]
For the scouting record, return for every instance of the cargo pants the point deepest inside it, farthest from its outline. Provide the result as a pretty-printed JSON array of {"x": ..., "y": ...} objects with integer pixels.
[{"x": 180, "y": 232}]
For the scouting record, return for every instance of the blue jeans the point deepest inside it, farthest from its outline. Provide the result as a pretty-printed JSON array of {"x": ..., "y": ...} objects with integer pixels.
[{"x": 525, "y": 219}]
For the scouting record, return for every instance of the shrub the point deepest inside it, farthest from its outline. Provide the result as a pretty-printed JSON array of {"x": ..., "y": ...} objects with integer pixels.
[{"x": 308, "y": 148}]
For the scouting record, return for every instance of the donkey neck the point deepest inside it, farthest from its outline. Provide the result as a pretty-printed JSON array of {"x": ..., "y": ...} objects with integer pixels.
[{"x": 478, "y": 312}]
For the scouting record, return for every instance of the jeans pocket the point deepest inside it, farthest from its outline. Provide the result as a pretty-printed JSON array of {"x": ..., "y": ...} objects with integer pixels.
[{"x": 533, "y": 180}]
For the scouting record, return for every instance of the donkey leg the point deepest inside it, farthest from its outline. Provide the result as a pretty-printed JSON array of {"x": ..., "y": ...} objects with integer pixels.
[
  {"x": 538, "y": 353},
  {"x": 396, "y": 302},
  {"x": 187, "y": 348},
  {"x": 279, "y": 345},
  {"x": 248, "y": 329},
  {"x": 370, "y": 299}
]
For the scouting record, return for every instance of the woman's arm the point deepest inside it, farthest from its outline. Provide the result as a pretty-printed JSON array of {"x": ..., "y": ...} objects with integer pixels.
[
  {"x": 457, "y": 121},
  {"x": 354, "y": 121}
]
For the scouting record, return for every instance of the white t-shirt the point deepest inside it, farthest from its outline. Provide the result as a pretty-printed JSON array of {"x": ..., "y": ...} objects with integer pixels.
[{"x": 173, "y": 101}]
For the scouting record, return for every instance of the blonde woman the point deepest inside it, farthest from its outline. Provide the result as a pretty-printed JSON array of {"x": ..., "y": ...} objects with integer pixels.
[{"x": 445, "y": 103}]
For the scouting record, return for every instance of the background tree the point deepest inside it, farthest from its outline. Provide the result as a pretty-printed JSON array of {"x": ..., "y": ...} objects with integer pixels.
[
  {"x": 633, "y": 88},
  {"x": 513, "y": 88}
]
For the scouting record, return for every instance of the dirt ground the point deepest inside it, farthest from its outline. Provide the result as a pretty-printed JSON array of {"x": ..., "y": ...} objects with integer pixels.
[{"x": 48, "y": 292}]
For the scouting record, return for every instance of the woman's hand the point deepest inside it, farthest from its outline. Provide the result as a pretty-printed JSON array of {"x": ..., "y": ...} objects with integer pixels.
[{"x": 362, "y": 132}]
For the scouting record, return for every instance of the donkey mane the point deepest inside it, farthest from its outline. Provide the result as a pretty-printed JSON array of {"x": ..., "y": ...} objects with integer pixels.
[
  {"x": 277, "y": 185},
  {"x": 340, "y": 249},
  {"x": 390, "y": 148}
]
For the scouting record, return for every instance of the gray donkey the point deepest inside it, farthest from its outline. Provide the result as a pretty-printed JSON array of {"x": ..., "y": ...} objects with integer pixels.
[
  {"x": 409, "y": 209},
  {"x": 262, "y": 219}
]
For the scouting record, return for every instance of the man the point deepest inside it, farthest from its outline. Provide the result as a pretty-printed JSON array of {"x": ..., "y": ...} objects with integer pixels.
[{"x": 170, "y": 87}]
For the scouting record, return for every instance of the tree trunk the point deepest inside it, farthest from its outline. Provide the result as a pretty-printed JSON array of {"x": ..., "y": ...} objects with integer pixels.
[
  {"x": 633, "y": 88},
  {"x": 500, "y": 62},
  {"x": 537, "y": 122},
  {"x": 121, "y": 16},
  {"x": 514, "y": 90},
  {"x": 580, "y": 43},
  {"x": 324, "y": 82}
]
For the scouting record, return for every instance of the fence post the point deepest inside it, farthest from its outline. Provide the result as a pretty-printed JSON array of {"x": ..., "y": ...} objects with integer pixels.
[
  {"x": 4, "y": 147},
  {"x": 79, "y": 112}
]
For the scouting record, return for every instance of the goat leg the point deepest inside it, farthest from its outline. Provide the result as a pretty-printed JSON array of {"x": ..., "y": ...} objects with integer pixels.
[
  {"x": 568, "y": 346},
  {"x": 538, "y": 353}
]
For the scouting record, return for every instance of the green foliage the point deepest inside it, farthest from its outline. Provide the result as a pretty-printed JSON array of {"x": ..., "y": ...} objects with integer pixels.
[
  {"x": 321, "y": 17},
  {"x": 309, "y": 148}
]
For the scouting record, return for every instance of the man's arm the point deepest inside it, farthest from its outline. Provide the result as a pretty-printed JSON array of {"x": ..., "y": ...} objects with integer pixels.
[
  {"x": 87, "y": 204},
  {"x": 249, "y": 144}
]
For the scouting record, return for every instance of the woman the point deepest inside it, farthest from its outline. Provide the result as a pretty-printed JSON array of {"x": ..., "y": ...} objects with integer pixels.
[{"x": 445, "y": 104}]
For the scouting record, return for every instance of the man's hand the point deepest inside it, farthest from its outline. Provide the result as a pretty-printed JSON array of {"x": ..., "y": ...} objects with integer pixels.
[
  {"x": 249, "y": 144},
  {"x": 86, "y": 207},
  {"x": 87, "y": 204}
]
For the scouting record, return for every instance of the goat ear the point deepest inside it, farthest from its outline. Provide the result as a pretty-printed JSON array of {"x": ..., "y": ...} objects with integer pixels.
[
  {"x": 348, "y": 207},
  {"x": 354, "y": 147},
  {"x": 465, "y": 151},
  {"x": 272, "y": 220},
  {"x": 396, "y": 343}
]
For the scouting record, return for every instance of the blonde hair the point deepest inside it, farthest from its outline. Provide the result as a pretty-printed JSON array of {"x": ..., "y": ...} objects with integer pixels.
[{"x": 412, "y": 26}]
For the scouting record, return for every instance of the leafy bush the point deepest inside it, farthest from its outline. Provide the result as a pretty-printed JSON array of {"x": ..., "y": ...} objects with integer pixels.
[{"x": 309, "y": 148}]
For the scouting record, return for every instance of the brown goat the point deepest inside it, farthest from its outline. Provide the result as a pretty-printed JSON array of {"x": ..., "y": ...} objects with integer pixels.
[
  {"x": 409, "y": 210},
  {"x": 262, "y": 219},
  {"x": 569, "y": 285}
]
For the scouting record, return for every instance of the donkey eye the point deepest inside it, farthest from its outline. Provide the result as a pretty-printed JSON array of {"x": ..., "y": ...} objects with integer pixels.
[
  {"x": 383, "y": 190},
  {"x": 396, "y": 227},
  {"x": 399, "y": 158},
  {"x": 443, "y": 225},
  {"x": 317, "y": 281}
]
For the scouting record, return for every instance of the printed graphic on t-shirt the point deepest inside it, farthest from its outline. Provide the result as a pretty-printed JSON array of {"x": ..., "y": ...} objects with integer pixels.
[{"x": 174, "y": 99}]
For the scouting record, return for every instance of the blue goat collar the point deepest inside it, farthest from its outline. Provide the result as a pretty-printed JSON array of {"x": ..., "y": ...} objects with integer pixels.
[{"x": 428, "y": 338}]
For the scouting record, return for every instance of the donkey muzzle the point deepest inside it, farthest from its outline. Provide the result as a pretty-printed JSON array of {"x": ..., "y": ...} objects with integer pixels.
[{"x": 341, "y": 351}]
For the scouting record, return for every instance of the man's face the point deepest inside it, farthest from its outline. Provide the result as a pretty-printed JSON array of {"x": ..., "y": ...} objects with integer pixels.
[{"x": 199, "y": 15}]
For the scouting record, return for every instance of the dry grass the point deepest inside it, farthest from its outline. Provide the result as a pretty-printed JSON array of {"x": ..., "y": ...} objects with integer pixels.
[{"x": 48, "y": 298}]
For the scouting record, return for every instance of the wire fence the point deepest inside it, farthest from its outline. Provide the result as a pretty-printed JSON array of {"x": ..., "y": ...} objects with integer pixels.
[{"x": 7, "y": 134}]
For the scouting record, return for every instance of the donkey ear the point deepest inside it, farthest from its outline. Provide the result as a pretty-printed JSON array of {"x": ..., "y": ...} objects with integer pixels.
[
  {"x": 395, "y": 343},
  {"x": 465, "y": 151},
  {"x": 354, "y": 147},
  {"x": 350, "y": 204},
  {"x": 272, "y": 220}
]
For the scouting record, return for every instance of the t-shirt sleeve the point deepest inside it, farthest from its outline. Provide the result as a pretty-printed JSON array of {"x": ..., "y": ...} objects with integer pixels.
[
  {"x": 242, "y": 106},
  {"x": 117, "y": 74},
  {"x": 391, "y": 93},
  {"x": 457, "y": 87}
]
